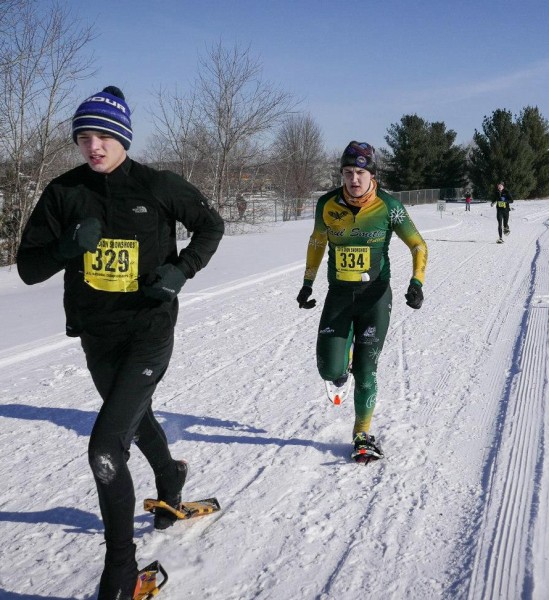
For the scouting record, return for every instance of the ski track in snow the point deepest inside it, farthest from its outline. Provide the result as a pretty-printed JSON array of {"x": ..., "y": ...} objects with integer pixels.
[
  {"x": 502, "y": 568},
  {"x": 456, "y": 510}
]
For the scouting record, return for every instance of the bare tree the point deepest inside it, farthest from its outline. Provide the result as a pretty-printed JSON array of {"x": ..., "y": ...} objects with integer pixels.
[
  {"x": 8, "y": 10},
  {"x": 175, "y": 118},
  {"x": 236, "y": 106},
  {"x": 298, "y": 156},
  {"x": 42, "y": 60}
]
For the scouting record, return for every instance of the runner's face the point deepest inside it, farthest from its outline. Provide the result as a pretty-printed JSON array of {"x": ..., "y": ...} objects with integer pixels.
[
  {"x": 357, "y": 181},
  {"x": 101, "y": 151}
]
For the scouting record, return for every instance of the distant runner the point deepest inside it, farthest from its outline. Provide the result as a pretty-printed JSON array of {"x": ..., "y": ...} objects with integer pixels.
[{"x": 503, "y": 203}]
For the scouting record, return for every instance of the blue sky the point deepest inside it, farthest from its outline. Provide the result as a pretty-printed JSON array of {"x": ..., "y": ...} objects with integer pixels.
[{"x": 357, "y": 67}]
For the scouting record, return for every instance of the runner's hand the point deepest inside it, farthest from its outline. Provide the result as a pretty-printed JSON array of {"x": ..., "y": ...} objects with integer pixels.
[
  {"x": 164, "y": 283},
  {"x": 414, "y": 296},
  {"x": 303, "y": 297},
  {"x": 79, "y": 238}
]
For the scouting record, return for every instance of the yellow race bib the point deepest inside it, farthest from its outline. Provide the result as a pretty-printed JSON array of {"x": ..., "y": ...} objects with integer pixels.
[
  {"x": 501, "y": 204},
  {"x": 352, "y": 263},
  {"x": 114, "y": 266}
]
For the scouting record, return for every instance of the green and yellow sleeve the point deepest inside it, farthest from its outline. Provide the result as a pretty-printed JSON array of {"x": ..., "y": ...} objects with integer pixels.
[
  {"x": 408, "y": 233},
  {"x": 316, "y": 247}
]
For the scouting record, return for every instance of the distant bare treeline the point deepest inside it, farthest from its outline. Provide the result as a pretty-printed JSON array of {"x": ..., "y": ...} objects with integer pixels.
[{"x": 232, "y": 134}]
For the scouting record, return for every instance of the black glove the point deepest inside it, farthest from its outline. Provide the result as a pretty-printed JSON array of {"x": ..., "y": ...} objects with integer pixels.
[
  {"x": 303, "y": 297},
  {"x": 79, "y": 238},
  {"x": 414, "y": 296},
  {"x": 164, "y": 283}
]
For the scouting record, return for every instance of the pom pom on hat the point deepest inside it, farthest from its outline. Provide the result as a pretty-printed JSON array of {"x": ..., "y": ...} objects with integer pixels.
[
  {"x": 359, "y": 154},
  {"x": 106, "y": 111}
]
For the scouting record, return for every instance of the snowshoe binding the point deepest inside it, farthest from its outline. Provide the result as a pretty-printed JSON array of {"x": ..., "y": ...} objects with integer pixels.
[
  {"x": 183, "y": 510},
  {"x": 366, "y": 449},
  {"x": 147, "y": 585},
  {"x": 169, "y": 485}
]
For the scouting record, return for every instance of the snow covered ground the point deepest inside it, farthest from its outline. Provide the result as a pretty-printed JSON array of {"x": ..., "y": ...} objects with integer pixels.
[{"x": 459, "y": 508}]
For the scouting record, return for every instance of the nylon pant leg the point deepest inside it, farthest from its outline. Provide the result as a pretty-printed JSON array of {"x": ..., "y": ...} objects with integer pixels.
[
  {"x": 506, "y": 219},
  {"x": 500, "y": 220},
  {"x": 126, "y": 373},
  {"x": 372, "y": 314}
]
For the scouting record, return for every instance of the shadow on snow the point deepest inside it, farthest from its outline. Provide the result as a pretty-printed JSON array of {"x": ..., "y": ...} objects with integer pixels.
[
  {"x": 5, "y": 595},
  {"x": 178, "y": 427}
]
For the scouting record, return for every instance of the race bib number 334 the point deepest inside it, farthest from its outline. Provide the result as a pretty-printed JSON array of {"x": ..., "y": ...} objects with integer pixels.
[
  {"x": 114, "y": 266},
  {"x": 353, "y": 258}
]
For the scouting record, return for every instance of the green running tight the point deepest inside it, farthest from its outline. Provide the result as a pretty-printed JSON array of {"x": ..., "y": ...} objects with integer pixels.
[{"x": 359, "y": 316}]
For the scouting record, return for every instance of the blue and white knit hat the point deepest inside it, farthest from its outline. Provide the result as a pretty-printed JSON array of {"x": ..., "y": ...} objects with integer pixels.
[{"x": 106, "y": 111}]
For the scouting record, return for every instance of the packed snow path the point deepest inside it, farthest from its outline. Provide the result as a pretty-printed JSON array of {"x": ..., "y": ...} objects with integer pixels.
[{"x": 458, "y": 509}]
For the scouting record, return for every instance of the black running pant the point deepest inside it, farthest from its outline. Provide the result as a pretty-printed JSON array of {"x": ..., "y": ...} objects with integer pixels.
[
  {"x": 126, "y": 372},
  {"x": 503, "y": 218}
]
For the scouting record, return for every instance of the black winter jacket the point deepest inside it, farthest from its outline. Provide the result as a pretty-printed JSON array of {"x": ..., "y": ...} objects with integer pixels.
[
  {"x": 134, "y": 203},
  {"x": 503, "y": 199}
]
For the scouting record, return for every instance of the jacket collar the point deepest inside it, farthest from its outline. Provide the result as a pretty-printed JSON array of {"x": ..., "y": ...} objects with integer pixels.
[{"x": 118, "y": 175}]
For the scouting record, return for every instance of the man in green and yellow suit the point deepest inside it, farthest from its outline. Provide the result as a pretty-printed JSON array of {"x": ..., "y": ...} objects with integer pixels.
[{"x": 357, "y": 221}]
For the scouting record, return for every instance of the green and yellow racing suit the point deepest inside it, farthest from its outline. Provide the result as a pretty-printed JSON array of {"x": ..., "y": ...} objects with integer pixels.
[{"x": 358, "y": 305}]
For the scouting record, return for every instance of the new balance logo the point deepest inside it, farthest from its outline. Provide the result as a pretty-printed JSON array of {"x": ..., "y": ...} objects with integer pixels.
[
  {"x": 327, "y": 330},
  {"x": 147, "y": 372}
]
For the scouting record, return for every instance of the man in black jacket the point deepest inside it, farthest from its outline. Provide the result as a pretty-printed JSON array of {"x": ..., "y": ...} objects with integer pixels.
[
  {"x": 503, "y": 202},
  {"x": 110, "y": 224}
]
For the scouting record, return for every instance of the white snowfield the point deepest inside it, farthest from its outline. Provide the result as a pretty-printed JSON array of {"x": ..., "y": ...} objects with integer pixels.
[{"x": 458, "y": 508}]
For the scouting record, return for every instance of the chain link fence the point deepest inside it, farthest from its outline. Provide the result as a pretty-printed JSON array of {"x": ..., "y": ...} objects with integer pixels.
[
  {"x": 269, "y": 207},
  {"x": 415, "y": 197}
]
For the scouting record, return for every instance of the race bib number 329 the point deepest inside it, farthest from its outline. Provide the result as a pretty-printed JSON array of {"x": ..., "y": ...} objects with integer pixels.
[{"x": 114, "y": 266}]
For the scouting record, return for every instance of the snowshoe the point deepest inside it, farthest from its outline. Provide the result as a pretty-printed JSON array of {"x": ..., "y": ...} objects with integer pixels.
[
  {"x": 506, "y": 230},
  {"x": 147, "y": 586},
  {"x": 500, "y": 241},
  {"x": 183, "y": 510},
  {"x": 366, "y": 448},
  {"x": 338, "y": 389}
]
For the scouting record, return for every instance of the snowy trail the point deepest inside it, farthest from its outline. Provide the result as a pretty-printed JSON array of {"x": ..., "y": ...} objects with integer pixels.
[
  {"x": 456, "y": 510},
  {"x": 511, "y": 510}
]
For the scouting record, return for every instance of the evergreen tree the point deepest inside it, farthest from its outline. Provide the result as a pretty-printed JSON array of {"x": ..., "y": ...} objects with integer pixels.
[
  {"x": 446, "y": 166},
  {"x": 407, "y": 164},
  {"x": 536, "y": 129},
  {"x": 501, "y": 152},
  {"x": 422, "y": 155}
]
